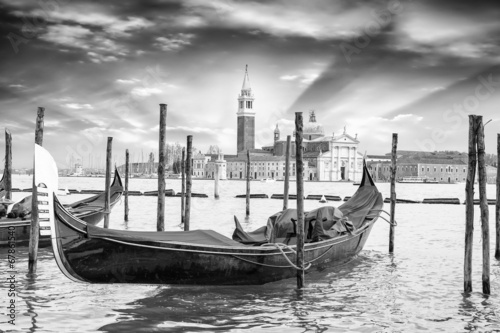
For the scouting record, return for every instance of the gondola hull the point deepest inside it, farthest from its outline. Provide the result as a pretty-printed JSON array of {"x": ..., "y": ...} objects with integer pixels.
[
  {"x": 107, "y": 260},
  {"x": 17, "y": 230}
]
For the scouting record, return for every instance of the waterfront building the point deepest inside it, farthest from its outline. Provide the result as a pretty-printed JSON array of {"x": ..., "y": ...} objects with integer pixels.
[
  {"x": 440, "y": 169},
  {"x": 200, "y": 162},
  {"x": 330, "y": 157}
]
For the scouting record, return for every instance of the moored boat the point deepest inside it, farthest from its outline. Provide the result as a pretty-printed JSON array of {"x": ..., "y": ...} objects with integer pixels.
[
  {"x": 86, "y": 253},
  {"x": 90, "y": 210}
]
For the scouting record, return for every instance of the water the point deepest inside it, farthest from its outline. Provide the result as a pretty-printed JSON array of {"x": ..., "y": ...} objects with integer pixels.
[{"x": 419, "y": 288}]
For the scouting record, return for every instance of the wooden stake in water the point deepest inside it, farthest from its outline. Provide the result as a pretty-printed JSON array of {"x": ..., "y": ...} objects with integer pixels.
[
  {"x": 107, "y": 199},
  {"x": 248, "y": 185},
  {"x": 183, "y": 185},
  {"x": 287, "y": 172},
  {"x": 8, "y": 165},
  {"x": 497, "y": 206},
  {"x": 160, "y": 221},
  {"x": 483, "y": 205},
  {"x": 188, "y": 182},
  {"x": 469, "y": 205},
  {"x": 216, "y": 181},
  {"x": 300, "y": 198},
  {"x": 35, "y": 223},
  {"x": 393, "y": 190},
  {"x": 126, "y": 184}
]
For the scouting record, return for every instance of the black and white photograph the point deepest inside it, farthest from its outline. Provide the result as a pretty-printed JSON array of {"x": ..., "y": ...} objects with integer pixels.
[{"x": 249, "y": 166}]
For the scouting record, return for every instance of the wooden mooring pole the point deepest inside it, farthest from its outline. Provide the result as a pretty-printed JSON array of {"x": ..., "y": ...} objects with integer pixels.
[
  {"x": 497, "y": 206},
  {"x": 287, "y": 172},
  {"x": 35, "y": 223},
  {"x": 300, "y": 198},
  {"x": 469, "y": 205},
  {"x": 393, "y": 190},
  {"x": 183, "y": 185},
  {"x": 8, "y": 165},
  {"x": 216, "y": 181},
  {"x": 107, "y": 199},
  {"x": 126, "y": 184},
  {"x": 187, "y": 216},
  {"x": 483, "y": 205},
  {"x": 247, "y": 210},
  {"x": 160, "y": 221}
]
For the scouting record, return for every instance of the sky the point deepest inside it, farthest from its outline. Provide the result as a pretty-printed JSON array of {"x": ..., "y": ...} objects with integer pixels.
[{"x": 417, "y": 68}]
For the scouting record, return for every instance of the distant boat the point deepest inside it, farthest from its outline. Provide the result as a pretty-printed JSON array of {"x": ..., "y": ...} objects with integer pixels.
[
  {"x": 268, "y": 180},
  {"x": 323, "y": 199},
  {"x": 417, "y": 180}
]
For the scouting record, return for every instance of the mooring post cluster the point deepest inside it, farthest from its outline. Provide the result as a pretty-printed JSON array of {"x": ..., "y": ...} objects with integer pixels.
[{"x": 476, "y": 156}]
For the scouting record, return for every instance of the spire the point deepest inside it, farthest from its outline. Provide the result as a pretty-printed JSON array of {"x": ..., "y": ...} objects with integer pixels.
[
  {"x": 277, "y": 130},
  {"x": 246, "y": 81},
  {"x": 312, "y": 116}
]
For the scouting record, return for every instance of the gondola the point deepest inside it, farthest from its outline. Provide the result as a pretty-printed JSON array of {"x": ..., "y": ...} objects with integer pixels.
[
  {"x": 86, "y": 253},
  {"x": 89, "y": 210}
]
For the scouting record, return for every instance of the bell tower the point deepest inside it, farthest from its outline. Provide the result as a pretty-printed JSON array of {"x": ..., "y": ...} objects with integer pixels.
[{"x": 246, "y": 116}]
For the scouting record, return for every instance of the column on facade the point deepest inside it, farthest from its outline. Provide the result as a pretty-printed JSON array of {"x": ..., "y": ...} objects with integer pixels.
[
  {"x": 348, "y": 173},
  {"x": 331, "y": 162},
  {"x": 355, "y": 164},
  {"x": 338, "y": 162}
]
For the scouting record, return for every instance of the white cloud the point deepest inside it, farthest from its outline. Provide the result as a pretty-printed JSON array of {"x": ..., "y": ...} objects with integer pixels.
[
  {"x": 78, "y": 106},
  {"x": 288, "y": 77},
  {"x": 126, "y": 81},
  {"x": 174, "y": 42},
  {"x": 17, "y": 86},
  {"x": 145, "y": 91}
]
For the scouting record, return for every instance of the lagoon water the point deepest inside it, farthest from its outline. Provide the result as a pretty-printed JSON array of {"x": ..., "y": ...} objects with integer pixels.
[{"x": 418, "y": 288}]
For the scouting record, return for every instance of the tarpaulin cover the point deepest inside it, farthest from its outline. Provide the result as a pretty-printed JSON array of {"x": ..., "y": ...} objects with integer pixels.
[
  {"x": 200, "y": 237},
  {"x": 281, "y": 227}
]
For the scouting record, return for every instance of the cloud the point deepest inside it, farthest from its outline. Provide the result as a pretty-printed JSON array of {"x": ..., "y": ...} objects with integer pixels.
[
  {"x": 126, "y": 81},
  {"x": 288, "y": 77},
  {"x": 174, "y": 42},
  {"x": 78, "y": 106},
  {"x": 17, "y": 86},
  {"x": 145, "y": 91}
]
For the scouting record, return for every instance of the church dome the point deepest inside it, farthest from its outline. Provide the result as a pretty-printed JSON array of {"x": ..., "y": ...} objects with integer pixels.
[{"x": 313, "y": 127}]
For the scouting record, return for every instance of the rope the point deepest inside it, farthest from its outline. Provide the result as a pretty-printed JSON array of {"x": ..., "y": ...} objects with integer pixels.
[
  {"x": 383, "y": 218},
  {"x": 280, "y": 247}
]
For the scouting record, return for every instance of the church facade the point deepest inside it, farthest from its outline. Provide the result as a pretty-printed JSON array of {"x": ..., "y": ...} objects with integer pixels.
[
  {"x": 326, "y": 157},
  {"x": 330, "y": 157}
]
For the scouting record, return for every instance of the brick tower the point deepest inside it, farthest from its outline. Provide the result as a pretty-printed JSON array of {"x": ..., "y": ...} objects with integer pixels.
[{"x": 246, "y": 116}]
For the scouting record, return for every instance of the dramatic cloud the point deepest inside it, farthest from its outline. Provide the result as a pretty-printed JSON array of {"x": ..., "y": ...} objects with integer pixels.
[{"x": 377, "y": 67}]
